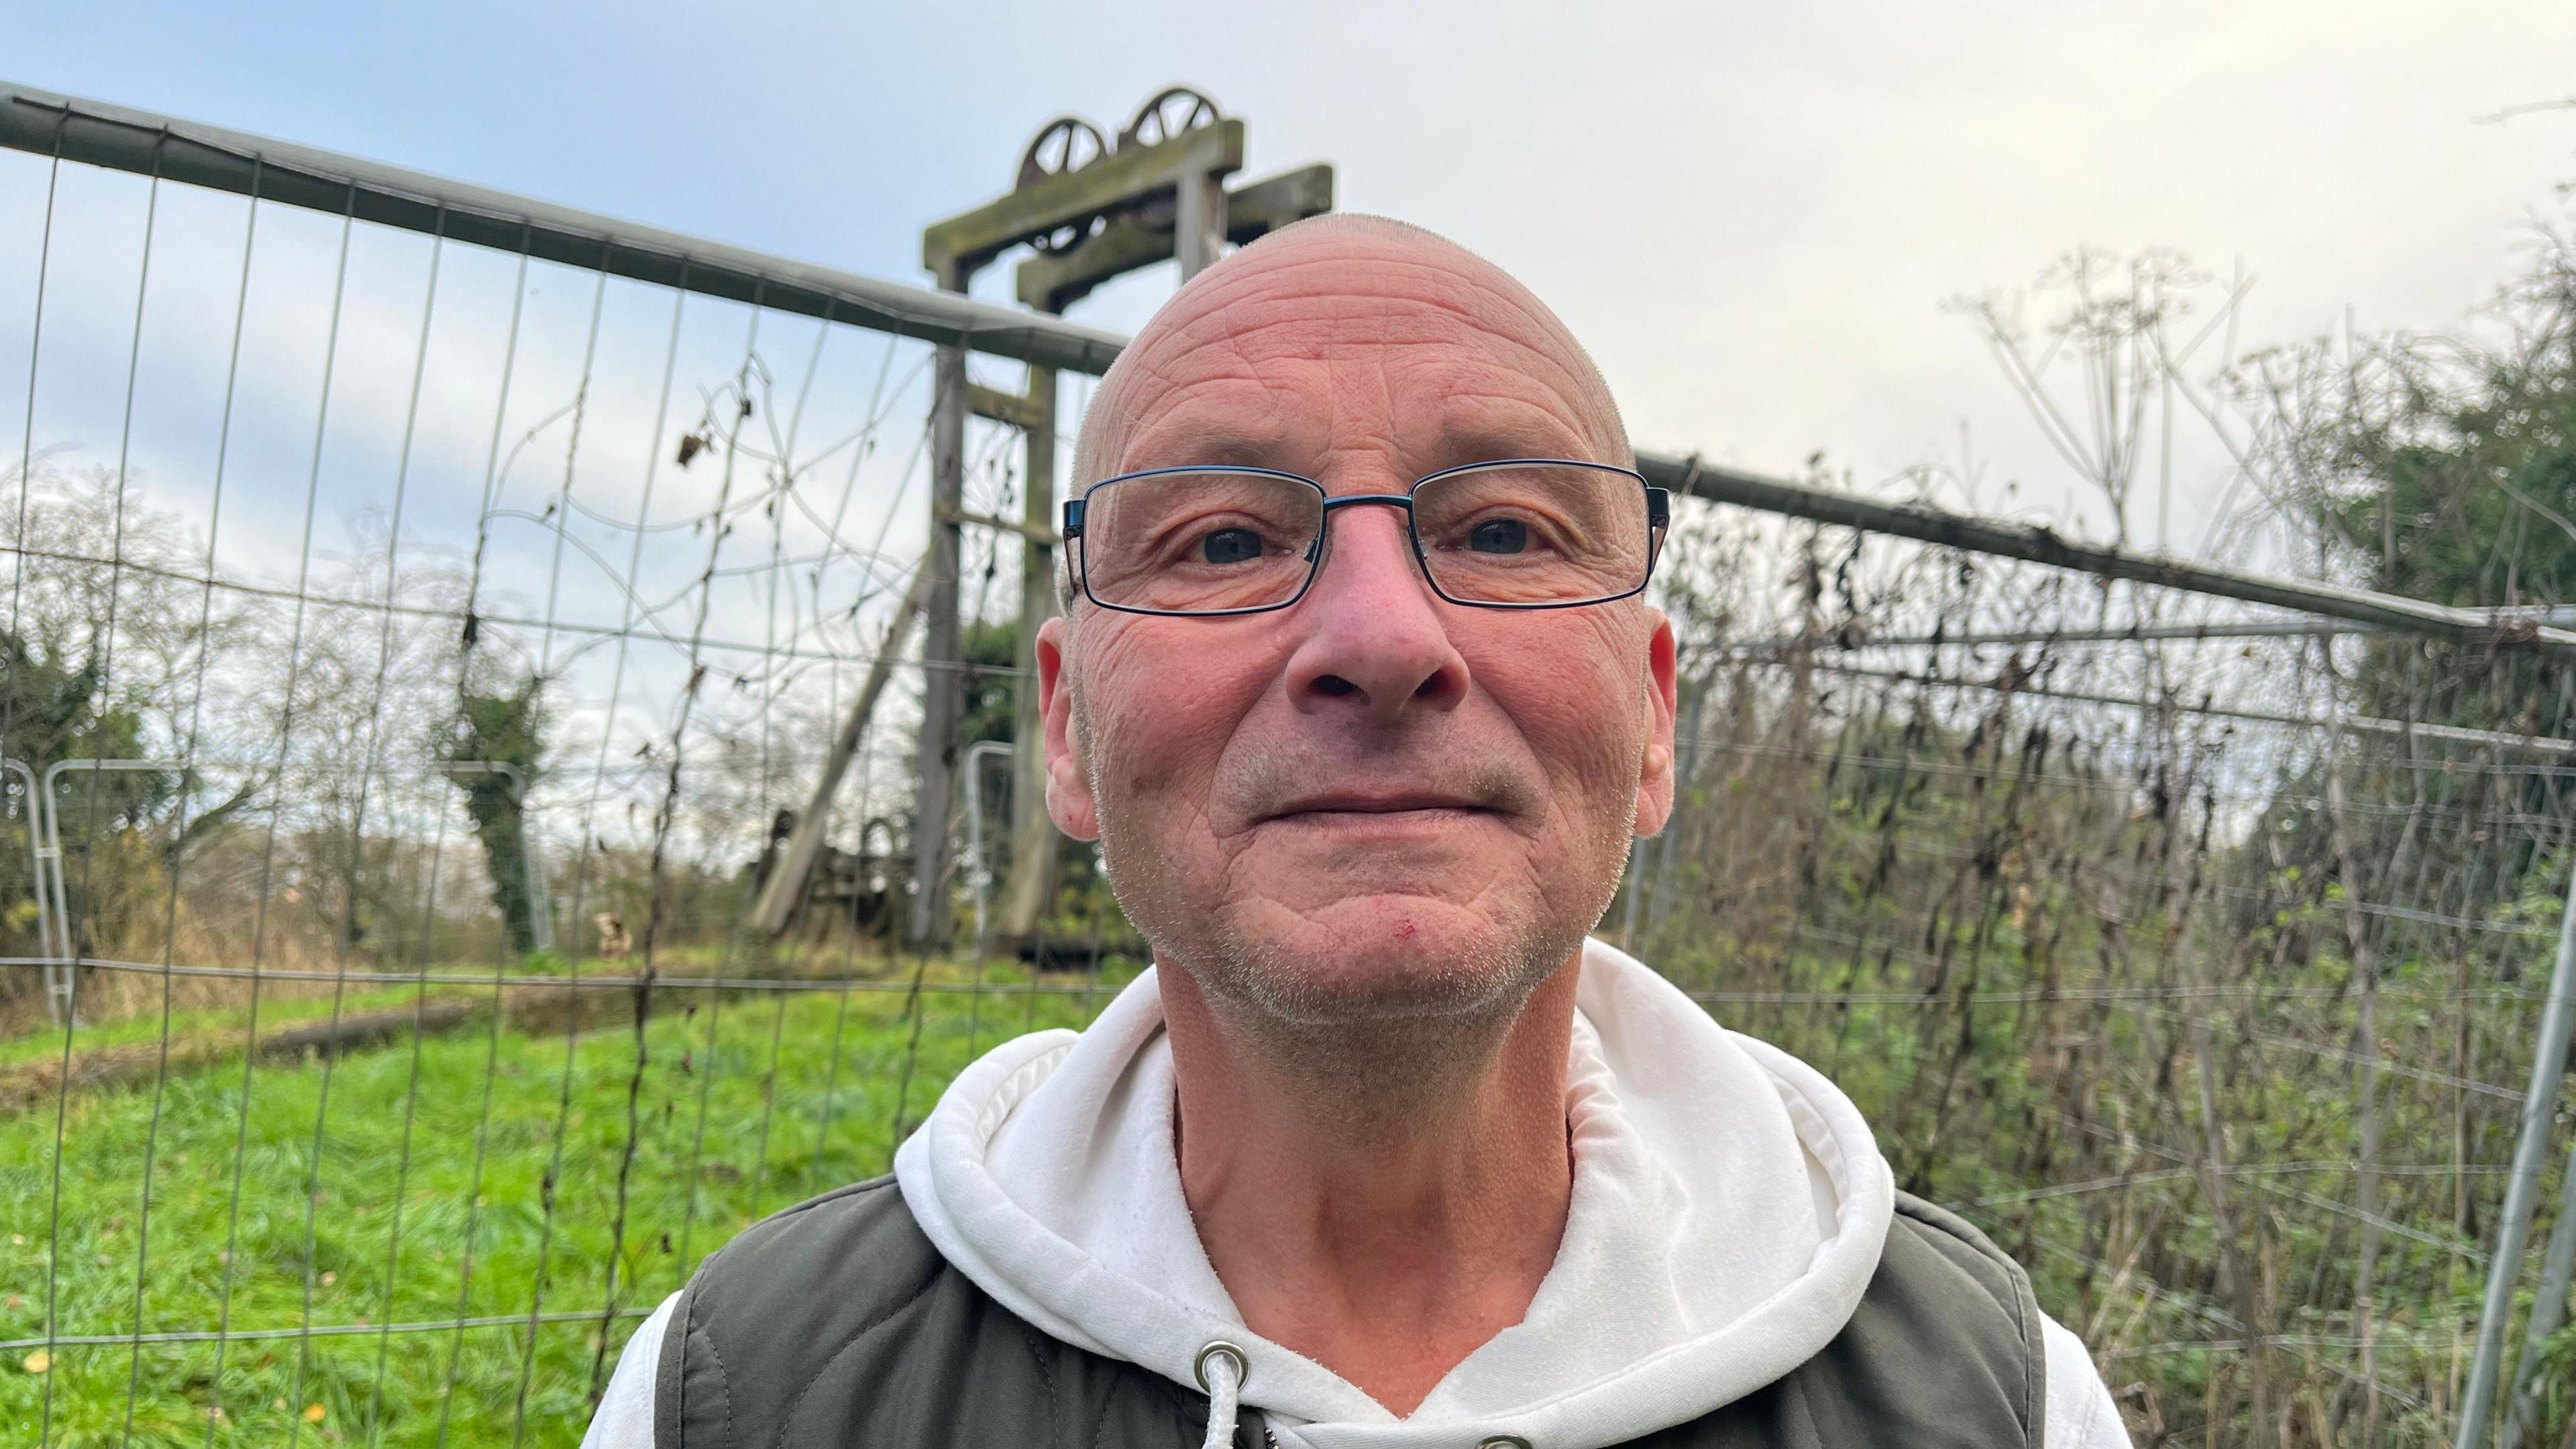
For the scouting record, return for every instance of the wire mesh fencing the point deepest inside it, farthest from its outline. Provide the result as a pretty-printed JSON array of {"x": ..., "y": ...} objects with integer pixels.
[
  {"x": 420, "y": 635},
  {"x": 2196, "y": 955},
  {"x": 414, "y": 652}
]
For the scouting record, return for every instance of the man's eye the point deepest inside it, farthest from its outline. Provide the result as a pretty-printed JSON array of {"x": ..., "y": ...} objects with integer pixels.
[
  {"x": 1230, "y": 545},
  {"x": 1499, "y": 535}
]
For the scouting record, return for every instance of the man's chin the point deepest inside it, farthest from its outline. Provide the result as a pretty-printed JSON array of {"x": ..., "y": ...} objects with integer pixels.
[{"x": 1386, "y": 957}]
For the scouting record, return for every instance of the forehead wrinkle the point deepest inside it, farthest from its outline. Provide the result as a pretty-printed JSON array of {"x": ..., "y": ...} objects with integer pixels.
[
  {"x": 1538, "y": 332},
  {"x": 1137, "y": 371},
  {"x": 1219, "y": 435},
  {"x": 1251, "y": 416},
  {"x": 1183, "y": 409},
  {"x": 1318, "y": 297},
  {"x": 1472, "y": 429},
  {"x": 1311, "y": 326},
  {"x": 1452, "y": 363},
  {"x": 1321, "y": 289},
  {"x": 1450, "y": 292}
]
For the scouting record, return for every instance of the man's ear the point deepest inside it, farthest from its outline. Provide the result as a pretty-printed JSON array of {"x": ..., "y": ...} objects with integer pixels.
[
  {"x": 1655, "y": 767},
  {"x": 1068, "y": 793}
]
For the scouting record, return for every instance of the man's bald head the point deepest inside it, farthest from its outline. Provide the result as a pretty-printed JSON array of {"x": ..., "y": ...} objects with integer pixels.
[{"x": 1332, "y": 268}]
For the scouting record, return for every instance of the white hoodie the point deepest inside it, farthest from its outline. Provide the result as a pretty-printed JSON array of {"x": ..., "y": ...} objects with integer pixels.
[{"x": 1729, "y": 1207}]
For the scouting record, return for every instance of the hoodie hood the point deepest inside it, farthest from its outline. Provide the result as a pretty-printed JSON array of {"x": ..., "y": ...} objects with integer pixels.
[{"x": 1728, "y": 1209}]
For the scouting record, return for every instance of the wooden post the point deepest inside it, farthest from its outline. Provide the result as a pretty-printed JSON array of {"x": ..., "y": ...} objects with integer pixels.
[
  {"x": 785, "y": 887},
  {"x": 1198, "y": 222},
  {"x": 1028, "y": 889},
  {"x": 942, "y": 654}
]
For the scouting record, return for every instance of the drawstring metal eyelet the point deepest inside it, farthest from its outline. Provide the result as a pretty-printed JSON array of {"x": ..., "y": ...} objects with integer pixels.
[{"x": 1220, "y": 1349}]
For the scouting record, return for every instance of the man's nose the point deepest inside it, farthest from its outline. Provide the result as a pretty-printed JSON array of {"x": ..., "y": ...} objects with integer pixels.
[{"x": 1376, "y": 643}]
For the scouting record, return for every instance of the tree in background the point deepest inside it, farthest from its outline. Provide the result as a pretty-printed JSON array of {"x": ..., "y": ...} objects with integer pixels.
[
  {"x": 503, "y": 723},
  {"x": 991, "y": 648},
  {"x": 52, "y": 708},
  {"x": 2442, "y": 468},
  {"x": 105, "y": 654}
]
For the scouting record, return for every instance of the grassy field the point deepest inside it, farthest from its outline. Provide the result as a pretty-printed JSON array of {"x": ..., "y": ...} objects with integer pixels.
[
  {"x": 387, "y": 1194},
  {"x": 472, "y": 1175}
]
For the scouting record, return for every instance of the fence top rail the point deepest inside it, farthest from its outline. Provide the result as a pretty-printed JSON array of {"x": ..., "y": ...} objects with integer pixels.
[
  {"x": 2037, "y": 543},
  {"x": 121, "y": 138},
  {"x": 2499, "y": 740}
]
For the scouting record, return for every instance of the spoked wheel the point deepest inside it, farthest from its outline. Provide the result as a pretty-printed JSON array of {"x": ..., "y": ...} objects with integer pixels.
[
  {"x": 1170, "y": 113},
  {"x": 1065, "y": 144}
]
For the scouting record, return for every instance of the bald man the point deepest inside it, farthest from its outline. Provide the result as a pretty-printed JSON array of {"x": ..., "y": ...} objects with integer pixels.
[{"x": 1358, "y": 689}]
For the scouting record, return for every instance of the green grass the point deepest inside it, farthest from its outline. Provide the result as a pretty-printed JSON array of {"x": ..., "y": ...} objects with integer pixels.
[
  {"x": 731, "y": 1112},
  {"x": 774, "y": 1096}
]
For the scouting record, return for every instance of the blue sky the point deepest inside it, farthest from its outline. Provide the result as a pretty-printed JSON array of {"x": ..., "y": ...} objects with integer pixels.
[{"x": 1753, "y": 216}]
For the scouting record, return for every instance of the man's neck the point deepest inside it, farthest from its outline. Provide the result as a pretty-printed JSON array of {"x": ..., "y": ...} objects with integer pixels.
[{"x": 1385, "y": 1239}]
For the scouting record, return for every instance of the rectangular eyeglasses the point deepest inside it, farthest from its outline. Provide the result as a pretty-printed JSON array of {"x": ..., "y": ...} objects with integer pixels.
[{"x": 1516, "y": 533}]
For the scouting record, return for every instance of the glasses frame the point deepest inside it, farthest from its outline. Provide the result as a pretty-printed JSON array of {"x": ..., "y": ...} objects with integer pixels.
[{"x": 1659, "y": 513}]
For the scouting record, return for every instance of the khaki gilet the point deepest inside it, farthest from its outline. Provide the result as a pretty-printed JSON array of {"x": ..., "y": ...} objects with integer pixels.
[{"x": 836, "y": 1323}]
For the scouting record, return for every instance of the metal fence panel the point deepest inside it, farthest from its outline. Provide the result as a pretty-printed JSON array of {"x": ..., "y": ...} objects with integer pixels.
[{"x": 458, "y": 589}]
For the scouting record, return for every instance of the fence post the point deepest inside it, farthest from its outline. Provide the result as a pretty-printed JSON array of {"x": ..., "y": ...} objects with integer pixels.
[
  {"x": 2530, "y": 1153},
  {"x": 57, "y": 995},
  {"x": 942, "y": 656},
  {"x": 979, "y": 873},
  {"x": 2548, "y": 1307},
  {"x": 63, "y": 979},
  {"x": 1633, "y": 882},
  {"x": 1028, "y": 892}
]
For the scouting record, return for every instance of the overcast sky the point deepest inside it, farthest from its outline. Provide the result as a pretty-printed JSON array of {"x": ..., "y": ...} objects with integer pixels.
[{"x": 1752, "y": 215}]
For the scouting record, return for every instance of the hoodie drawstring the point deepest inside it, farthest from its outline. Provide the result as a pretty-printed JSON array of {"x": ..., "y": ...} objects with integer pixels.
[{"x": 1221, "y": 1368}]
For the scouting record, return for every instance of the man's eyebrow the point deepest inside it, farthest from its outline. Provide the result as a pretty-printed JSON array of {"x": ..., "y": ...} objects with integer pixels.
[
  {"x": 1486, "y": 441},
  {"x": 1483, "y": 434},
  {"x": 1207, "y": 442}
]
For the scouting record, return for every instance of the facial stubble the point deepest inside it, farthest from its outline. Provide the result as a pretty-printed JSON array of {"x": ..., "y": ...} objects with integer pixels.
[{"x": 1369, "y": 1048}]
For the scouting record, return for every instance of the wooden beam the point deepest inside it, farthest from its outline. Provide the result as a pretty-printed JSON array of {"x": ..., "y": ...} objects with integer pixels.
[
  {"x": 785, "y": 889},
  {"x": 1005, "y": 407},
  {"x": 967, "y": 241},
  {"x": 1037, "y": 532},
  {"x": 1142, "y": 236}
]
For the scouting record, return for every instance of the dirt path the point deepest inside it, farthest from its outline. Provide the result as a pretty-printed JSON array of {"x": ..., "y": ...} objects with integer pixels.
[{"x": 535, "y": 1008}]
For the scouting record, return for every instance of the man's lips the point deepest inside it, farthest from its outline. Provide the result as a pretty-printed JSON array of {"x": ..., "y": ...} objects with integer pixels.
[{"x": 1372, "y": 802}]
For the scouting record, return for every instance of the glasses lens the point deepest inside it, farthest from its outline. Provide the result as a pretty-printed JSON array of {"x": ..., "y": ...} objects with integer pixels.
[
  {"x": 1199, "y": 542},
  {"x": 1534, "y": 533}
]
